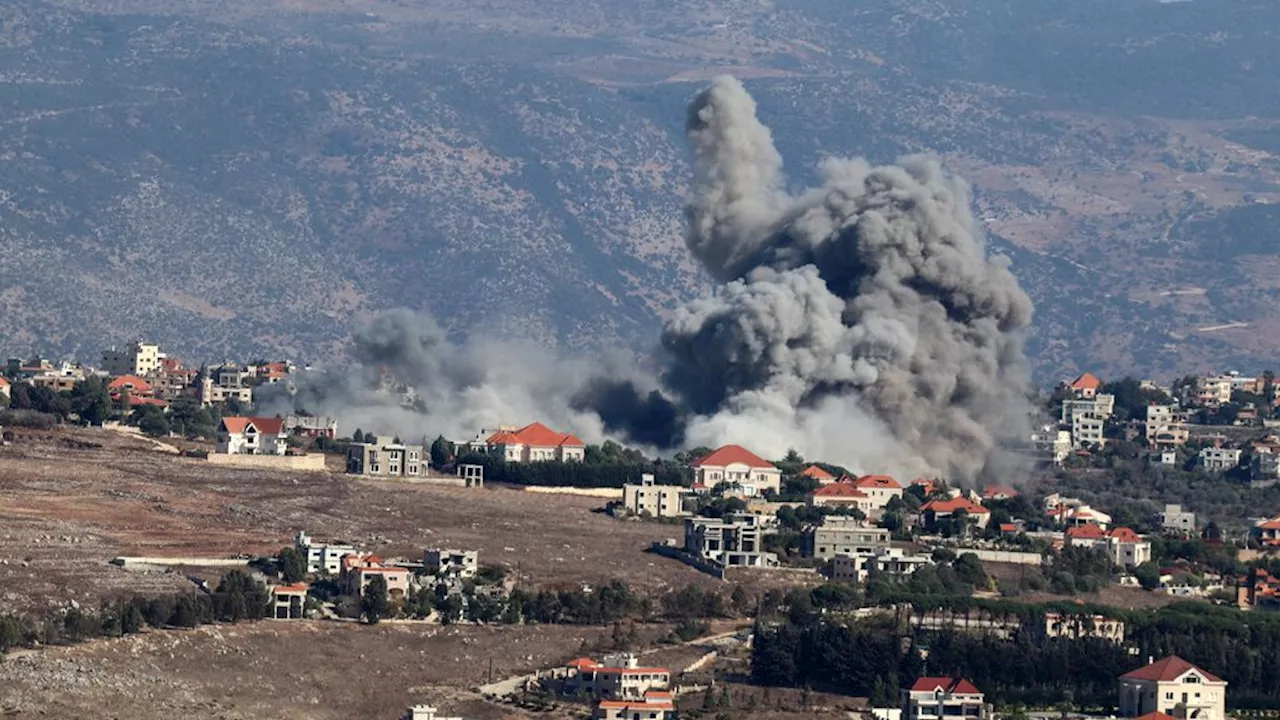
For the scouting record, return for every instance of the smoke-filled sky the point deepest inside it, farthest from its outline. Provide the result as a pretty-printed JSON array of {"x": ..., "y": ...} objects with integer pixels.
[{"x": 860, "y": 322}]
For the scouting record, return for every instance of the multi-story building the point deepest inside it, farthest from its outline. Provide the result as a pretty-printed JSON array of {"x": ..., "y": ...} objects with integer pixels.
[
  {"x": 1218, "y": 459},
  {"x": 1123, "y": 546},
  {"x": 312, "y": 426},
  {"x": 889, "y": 560},
  {"x": 323, "y": 558},
  {"x": 735, "y": 466},
  {"x": 737, "y": 540},
  {"x": 880, "y": 489},
  {"x": 1075, "y": 627},
  {"x": 535, "y": 443},
  {"x": 843, "y": 494},
  {"x": 844, "y": 535},
  {"x": 935, "y": 510},
  {"x": 251, "y": 436},
  {"x": 384, "y": 457},
  {"x": 1164, "y": 426},
  {"x": 816, "y": 472},
  {"x": 1101, "y": 406},
  {"x": 1264, "y": 468},
  {"x": 460, "y": 564},
  {"x": 653, "y": 500},
  {"x": 1086, "y": 386},
  {"x": 223, "y": 385},
  {"x": 1175, "y": 519},
  {"x": 1174, "y": 687},
  {"x": 140, "y": 358},
  {"x": 619, "y": 676},
  {"x": 289, "y": 602},
  {"x": 1268, "y": 532},
  {"x": 1087, "y": 430},
  {"x": 1258, "y": 589},
  {"x": 935, "y": 698},
  {"x": 358, "y": 572}
]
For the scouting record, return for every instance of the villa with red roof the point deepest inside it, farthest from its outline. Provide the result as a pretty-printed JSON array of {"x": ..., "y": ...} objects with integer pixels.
[
  {"x": 998, "y": 492},
  {"x": 842, "y": 494},
  {"x": 358, "y": 572},
  {"x": 936, "y": 697},
  {"x": 618, "y": 676},
  {"x": 734, "y": 465},
  {"x": 251, "y": 436},
  {"x": 879, "y": 488},
  {"x": 535, "y": 443},
  {"x": 935, "y": 510},
  {"x": 1086, "y": 386},
  {"x": 1124, "y": 546},
  {"x": 815, "y": 472},
  {"x": 1268, "y": 532},
  {"x": 1173, "y": 687},
  {"x": 655, "y": 705}
]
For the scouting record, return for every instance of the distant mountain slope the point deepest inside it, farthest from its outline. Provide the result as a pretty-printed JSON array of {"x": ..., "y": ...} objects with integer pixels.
[{"x": 251, "y": 178}]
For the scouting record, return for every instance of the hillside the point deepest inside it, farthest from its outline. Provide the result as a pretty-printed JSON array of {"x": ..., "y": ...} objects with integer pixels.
[{"x": 259, "y": 178}]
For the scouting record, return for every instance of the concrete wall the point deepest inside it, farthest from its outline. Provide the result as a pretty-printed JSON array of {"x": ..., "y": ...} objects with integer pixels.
[
  {"x": 310, "y": 461},
  {"x": 606, "y": 493},
  {"x": 709, "y": 567},
  {"x": 180, "y": 561},
  {"x": 1003, "y": 556},
  {"x": 441, "y": 480}
]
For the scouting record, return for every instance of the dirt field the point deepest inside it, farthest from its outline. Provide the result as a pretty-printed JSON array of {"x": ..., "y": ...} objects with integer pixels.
[{"x": 70, "y": 501}]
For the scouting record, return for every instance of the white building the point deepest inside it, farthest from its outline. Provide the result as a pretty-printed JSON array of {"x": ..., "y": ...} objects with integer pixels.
[
  {"x": 1174, "y": 687},
  {"x": 1219, "y": 459},
  {"x": 453, "y": 563},
  {"x": 737, "y": 540},
  {"x": 653, "y": 500},
  {"x": 1123, "y": 546},
  {"x": 1087, "y": 430},
  {"x": 934, "y": 698},
  {"x": 1175, "y": 519},
  {"x": 322, "y": 558},
  {"x": 619, "y": 676},
  {"x": 425, "y": 712},
  {"x": 535, "y": 443},
  {"x": 735, "y": 466},
  {"x": 891, "y": 560},
  {"x": 879, "y": 489},
  {"x": 845, "y": 535},
  {"x": 252, "y": 436},
  {"x": 1164, "y": 426},
  {"x": 139, "y": 358},
  {"x": 1075, "y": 627}
]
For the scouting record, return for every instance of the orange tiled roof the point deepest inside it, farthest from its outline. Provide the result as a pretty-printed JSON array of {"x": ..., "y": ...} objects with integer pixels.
[
  {"x": 265, "y": 425},
  {"x": 733, "y": 455},
  {"x": 535, "y": 435},
  {"x": 133, "y": 382},
  {"x": 1088, "y": 531},
  {"x": 839, "y": 490},
  {"x": 953, "y": 504},
  {"x": 946, "y": 684},
  {"x": 1087, "y": 381},
  {"x": 883, "y": 482},
  {"x": 1170, "y": 668},
  {"x": 1124, "y": 534},
  {"x": 817, "y": 473}
]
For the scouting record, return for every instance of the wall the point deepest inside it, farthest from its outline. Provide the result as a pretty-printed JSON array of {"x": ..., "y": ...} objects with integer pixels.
[
  {"x": 310, "y": 461},
  {"x": 607, "y": 493},
  {"x": 1003, "y": 556}
]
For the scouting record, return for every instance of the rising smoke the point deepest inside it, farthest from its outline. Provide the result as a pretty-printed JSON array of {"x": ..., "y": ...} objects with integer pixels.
[{"x": 860, "y": 322}]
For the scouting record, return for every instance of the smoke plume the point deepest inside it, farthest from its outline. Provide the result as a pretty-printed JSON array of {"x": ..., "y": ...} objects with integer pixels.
[{"x": 860, "y": 322}]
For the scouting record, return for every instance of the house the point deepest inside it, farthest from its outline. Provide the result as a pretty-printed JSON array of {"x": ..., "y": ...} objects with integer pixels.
[
  {"x": 884, "y": 559},
  {"x": 844, "y": 535},
  {"x": 322, "y": 558},
  {"x": 998, "y": 492},
  {"x": 272, "y": 372},
  {"x": 385, "y": 457},
  {"x": 1086, "y": 386},
  {"x": 815, "y": 472},
  {"x": 132, "y": 384},
  {"x": 653, "y": 500},
  {"x": 1264, "y": 469},
  {"x": 842, "y": 494},
  {"x": 1164, "y": 427},
  {"x": 655, "y": 705},
  {"x": 1075, "y": 627},
  {"x": 1268, "y": 532},
  {"x": 734, "y": 465},
  {"x": 879, "y": 488},
  {"x": 140, "y": 358},
  {"x": 737, "y": 540},
  {"x": 1218, "y": 459},
  {"x": 460, "y": 564},
  {"x": 312, "y": 426},
  {"x": 1122, "y": 545},
  {"x": 933, "y": 698},
  {"x": 1175, "y": 519},
  {"x": 1174, "y": 687},
  {"x": 535, "y": 443},
  {"x": 358, "y": 572},
  {"x": 935, "y": 510},
  {"x": 618, "y": 676},
  {"x": 1258, "y": 589},
  {"x": 251, "y": 436},
  {"x": 1079, "y": 514},
  {"x": 425, "y": 712},
  {"x": 229, "y": 385},
  {"x": 289, "y": 602}
]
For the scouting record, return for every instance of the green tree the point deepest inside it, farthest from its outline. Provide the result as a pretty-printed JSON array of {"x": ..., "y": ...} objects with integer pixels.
[
  {"x": 152, "y": 421},
  {"x": 375, "y": 604},
  {"x": 357, "y": 436},
  {"x": 91, "y": 401},
  {"x": 292, "y": 565},
  {"x": 441, "y": 452}
]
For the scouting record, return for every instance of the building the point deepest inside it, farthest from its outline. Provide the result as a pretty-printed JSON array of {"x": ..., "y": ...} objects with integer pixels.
[
  {"x": 654, "y": 705},
  {"x": 1174, "y": 687},
  {"x": 229, "y": 385},
  {"x": 1264, "y": 468},
  {"x": 1088, "y": 430},
  {"x": 322, "y": 559},
  {"x": 1075, "y": 627},
  {"x": 385, "y": 457},
  {"x": 997, "y": 493},
  {"x": 425, "y": 712},
  {"x": 933, "y": 698},
  {"x": 251, "y": 436},
  {"x": 879, "y": 488},
  {"x": 845, "y": 535},
  {"x": 1086, "y": 386},
  {"x": 1259, "y": 589},
  {"x": 460, "y": 564},
  {"x": 653, "y": 500},
  {"x": 860, "y": 568},
  {"x": 843, "y": 494},
  {"x": 312, "y": 426},
  {"x": 1123, "y": 546},
  {"x": 289, "y": 602},
  {"x": 935, "y": 510},
  {"x": 1164, "y": 426},
  {"x": 358, "y": 572},
  {"x": 1052, "y": 443},
  {"x": 737, "y": 540},
  {"x": 5, "y": 390},
  {"x": 1268, "y": 532},
  {"x": 815, "y": 472},
  {"x": 1074, "y": 515},
  {"x": 140, "y": 358},
  {"x": 1218, "y": 459},
  {"x": 1175, "y": 519},
  {"x": 535, "y": 443},
  {"x": 735, "y": 466},
  {"x": 618, "y": 676},
  {"x": 1100, "y": 406}
]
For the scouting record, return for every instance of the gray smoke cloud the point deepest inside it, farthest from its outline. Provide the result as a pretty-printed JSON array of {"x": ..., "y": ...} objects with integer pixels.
[{"x": 860, "y": 322}]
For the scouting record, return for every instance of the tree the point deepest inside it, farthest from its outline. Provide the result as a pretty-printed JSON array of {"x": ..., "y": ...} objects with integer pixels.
[
  {"x": 375, "y": 604},
  {"x": 239, "y": 597},
  {"x": 1148, "y": 575},
  {"x": 441, "y": 452},
  {"x": 90, "y": 400},
  {"x": 152, "y": 421},
  {"x": 357, "y": 436},
  {"x": 292, "y": 565}
]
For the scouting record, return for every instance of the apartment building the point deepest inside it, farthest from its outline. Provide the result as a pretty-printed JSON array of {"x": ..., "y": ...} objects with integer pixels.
[
  {"x": 384, "y": 457},
  {"x": 322, "y": 558},
  {"x": 735, "y": 466},
  {"x": 535, "y": 443},
  {"x": 229, "y": 385},
  {"x": 845, "y": 535},
  {"x": 251, "y": 436},
  {"x": 139, "y": 358},
  {"x": 934, "y": 698},
  {"x": 460, "y": 564},
  {"x": 1164, "y": 426},
  {"x": 1218, "y": 459},
  {"x": 1174, "y": 687},
  {"x": 737, "y": 540},
  {"x": 653, "y": 500},
  {"x": 618, "y": 676}
]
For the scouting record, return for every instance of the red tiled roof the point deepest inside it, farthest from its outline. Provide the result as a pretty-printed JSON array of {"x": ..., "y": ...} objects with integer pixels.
[
  {"x": 1170, "y": 668},
  {"x": 953, "y": 504},
  {"x": 1008, "y": 527},
  {"x": 265, "y": 426},
  {"x": 535, "y": 435},
  {"x": 133, "y": 382},
  {"x": 817, "y": 473},
  {"x": 950, "y": 685},
  {"x": 1124, "y": 534},
  {"x": 733, "y": 455},
  {"x": 1273, "y": 524},
  {"x": 4, "y": 382},
  {"x": 991, "y": 492},
  {"x": 1086, "y": 381},
  {"x": 294, "y": 589},
  {"x": 840, "y": 489},
  {"x": 1156, "y": 716},
  {"x": 877, "y": 481},
  {"x": 157, "y": 402},
  {"x": 1088, "y": 531},
  {"x": 641, "y": 705}
]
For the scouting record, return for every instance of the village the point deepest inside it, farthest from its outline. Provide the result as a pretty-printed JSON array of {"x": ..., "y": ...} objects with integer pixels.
[{"x": 784, "y": 537}]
